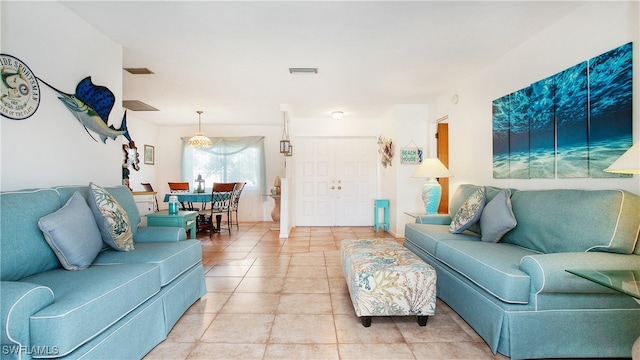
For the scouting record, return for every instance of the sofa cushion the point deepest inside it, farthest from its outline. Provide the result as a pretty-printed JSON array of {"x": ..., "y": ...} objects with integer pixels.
[
  {"x": 111, "y": 218},
  {"x": 427, "y": 236},
  {"x": 552, "y": 221},
  {"x": 463, "y": 192},
  {"x": 72, "y": 233},
  {"x": 24, "y": 250},
  {"x": 172, "y": 258},
  {"x": 494, "y": 267},
  {"x": 469, "y": 213},
  {"x": 497, "y": 217},
  {"x": 87, "y": 302}
]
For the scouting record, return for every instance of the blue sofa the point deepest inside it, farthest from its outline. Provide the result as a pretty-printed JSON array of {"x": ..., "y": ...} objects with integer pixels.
[
  {"x": 119, "y": 307},
  {"x": 513, "y": 288}
]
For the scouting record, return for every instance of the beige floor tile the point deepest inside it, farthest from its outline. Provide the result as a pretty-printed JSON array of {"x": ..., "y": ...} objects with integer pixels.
[
  {"x": 450, "y": 350},
  {"x": 270, "y": 285},
  {"x": 221, "y": 283},
  {"x": 342, "y": 305},
  {"x": 239, "y": 329},
  {"x": 440, "y": 328},
  {"x": 307, "y": 271},
  {"x": 303, "y": 329},
  {"x": 168, "y": 350},
  {"x": 208, "y": 351},
  {"x": 349, "y": 330},
  {"x": 301, "y": 351},
  {"x": 228, "y": 270},
  {"x": 301, "y": 285},
  {"x": 190, "y": 328},
  {"x": 305, "y": 304},
  {"x": 209, "y": 303},
  {"x": 268, "y": 271},
  {"x": 251, "y": 303},
  {"x": 375, "y": 351}
]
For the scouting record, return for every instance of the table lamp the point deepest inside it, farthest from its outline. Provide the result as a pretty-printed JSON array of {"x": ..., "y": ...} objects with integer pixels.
[
  {"x": 628, "y": 163},
  {"x": 431, "y": 169}
]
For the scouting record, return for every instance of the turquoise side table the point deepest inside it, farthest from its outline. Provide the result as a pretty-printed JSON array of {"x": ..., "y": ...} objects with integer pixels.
[
  {"x": 183, "y": 219},
  {"x": 384, "y": 205}
]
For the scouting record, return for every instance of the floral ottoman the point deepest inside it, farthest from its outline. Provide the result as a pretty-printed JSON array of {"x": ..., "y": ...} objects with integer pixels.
[{"x": 387, "y": 279}]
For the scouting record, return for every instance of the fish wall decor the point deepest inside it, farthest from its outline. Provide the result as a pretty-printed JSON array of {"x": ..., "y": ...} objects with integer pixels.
[{"x": 91, "y": 105}]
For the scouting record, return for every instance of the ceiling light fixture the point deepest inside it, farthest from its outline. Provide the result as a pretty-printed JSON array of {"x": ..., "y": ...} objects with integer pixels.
[
  {"x": 337, "y": 115},
  {"x": 200, "y": 141},
  {"x": 285, "y": 144}
]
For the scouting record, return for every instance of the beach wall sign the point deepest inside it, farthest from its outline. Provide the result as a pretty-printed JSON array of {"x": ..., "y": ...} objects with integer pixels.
[{"x": 573, "y": 124}]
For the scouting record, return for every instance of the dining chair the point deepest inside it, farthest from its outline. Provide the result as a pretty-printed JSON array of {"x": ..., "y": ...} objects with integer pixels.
[
  {"x": 181, "y": 187},
  {"x": 237, "y": 190},
  {"x": 147, "y": 187},
  {"x": 221, "y": 197}
]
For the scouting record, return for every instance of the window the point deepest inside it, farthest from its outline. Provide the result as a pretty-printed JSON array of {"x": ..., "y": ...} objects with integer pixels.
[{"x": 229, "y": 160}]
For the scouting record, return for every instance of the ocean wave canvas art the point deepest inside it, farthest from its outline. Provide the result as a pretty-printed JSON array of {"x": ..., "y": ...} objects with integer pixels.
[{"x": 573, "y": 124}]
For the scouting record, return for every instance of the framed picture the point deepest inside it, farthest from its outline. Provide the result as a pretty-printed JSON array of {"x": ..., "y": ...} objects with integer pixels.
[{"x": 149, "y": 154}]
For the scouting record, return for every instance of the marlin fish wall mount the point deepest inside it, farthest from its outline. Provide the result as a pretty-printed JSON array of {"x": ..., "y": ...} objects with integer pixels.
[{"x": 91, "y": 105}]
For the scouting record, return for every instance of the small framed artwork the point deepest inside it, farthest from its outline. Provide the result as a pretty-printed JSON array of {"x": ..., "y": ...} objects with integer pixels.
[{"x": 149, "y": 154}]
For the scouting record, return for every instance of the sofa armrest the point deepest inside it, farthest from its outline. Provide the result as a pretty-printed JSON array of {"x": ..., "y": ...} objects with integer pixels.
[
  {"x": 19, "y": 301},
  {"x": 148, "y": 234},
  {"x": 548, "y": 271},
  {"x": 435, "y": 219}
]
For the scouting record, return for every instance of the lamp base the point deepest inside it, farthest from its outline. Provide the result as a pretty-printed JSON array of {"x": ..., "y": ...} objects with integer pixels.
[{"x": 431, "y": 194}]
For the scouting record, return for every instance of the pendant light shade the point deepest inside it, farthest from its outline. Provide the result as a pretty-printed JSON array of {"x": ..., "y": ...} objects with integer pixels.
[{"x": 200, "y": 141}]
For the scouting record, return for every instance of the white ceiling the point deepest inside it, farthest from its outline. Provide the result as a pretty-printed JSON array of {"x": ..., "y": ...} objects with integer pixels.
[{"x": 231, "y": 59}]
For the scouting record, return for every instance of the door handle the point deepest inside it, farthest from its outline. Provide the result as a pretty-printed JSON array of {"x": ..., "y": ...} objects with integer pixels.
[
  {"x": 339, "y": 187},
  {"x": 332, "y": 188}
]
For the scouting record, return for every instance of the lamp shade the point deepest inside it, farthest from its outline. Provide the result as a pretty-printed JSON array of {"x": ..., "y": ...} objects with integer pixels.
[
  {"x": 431, "y": 168},
  {"x": 628, "y": 163},
  {"x": 199, "y": 141}
]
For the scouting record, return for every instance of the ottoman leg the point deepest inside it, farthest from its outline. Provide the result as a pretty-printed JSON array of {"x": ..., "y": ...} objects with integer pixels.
[
  {"x": 422, "y": 320},
  {"x": 366, "y": 321}
]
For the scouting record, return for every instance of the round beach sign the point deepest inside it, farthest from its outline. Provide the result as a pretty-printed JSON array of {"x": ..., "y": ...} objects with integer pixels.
[{"x": 19, "y": 89}]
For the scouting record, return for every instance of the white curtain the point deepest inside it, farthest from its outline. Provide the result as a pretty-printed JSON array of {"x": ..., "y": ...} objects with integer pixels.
[{"x": 230, "y": 159}]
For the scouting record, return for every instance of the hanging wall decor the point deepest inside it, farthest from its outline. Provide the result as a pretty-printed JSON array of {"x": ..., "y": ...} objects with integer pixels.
[
  {"x": 385, "y": 148},
  {"x": 19, "y": 89},
  {"x": 570, "y": 125}
]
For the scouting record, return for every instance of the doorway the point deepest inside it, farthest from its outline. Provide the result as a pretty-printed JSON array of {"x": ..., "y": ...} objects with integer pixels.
[
  {"x": 335, "y": 180},
  {"x": 442, "y": 139}
]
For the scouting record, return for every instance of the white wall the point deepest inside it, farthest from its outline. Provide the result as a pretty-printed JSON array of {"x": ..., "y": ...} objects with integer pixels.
[
  {"x": 144, "y": 133},
  {"x": 51, "y": 147},
  {"x": 593, "y": 29}
]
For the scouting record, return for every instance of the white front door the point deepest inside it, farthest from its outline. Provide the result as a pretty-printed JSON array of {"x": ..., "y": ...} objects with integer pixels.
[{"x": 335, "y": 181}]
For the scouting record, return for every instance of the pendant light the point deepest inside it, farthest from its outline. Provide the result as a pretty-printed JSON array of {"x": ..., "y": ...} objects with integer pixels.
[
  {"x": 200, "y": 141},
  {"x": 285, "y": 144}
]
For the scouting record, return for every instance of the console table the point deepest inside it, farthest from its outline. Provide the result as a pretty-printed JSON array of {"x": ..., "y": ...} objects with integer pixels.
[{"x": 183, "y": 219}]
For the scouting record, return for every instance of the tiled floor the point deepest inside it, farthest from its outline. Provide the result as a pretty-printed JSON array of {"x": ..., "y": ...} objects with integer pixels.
[{"x": 271, "y": 298}]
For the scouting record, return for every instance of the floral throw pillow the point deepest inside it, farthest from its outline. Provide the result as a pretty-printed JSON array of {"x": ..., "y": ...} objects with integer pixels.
[
  {"x": 111, "y": 218},
  {"x": 469, "y": 213}
]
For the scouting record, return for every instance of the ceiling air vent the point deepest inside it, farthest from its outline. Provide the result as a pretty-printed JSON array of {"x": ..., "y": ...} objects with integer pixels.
[
  {"x": 137, "y": 105},
  {"x": 139, "y": 71},
  {"x": 303, "y": 70}
]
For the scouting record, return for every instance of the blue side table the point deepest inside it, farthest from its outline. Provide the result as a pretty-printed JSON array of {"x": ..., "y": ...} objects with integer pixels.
[
  {"x": 377, "y": 205},
  {"x": 183, "y": 219}
]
